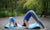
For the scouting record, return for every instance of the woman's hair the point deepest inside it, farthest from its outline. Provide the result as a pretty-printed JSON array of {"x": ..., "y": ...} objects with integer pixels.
[{"x": 24, "y": 24}]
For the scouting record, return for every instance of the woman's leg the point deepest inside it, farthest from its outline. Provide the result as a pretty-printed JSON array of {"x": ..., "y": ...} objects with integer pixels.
[{"x": 36, "y": 18}]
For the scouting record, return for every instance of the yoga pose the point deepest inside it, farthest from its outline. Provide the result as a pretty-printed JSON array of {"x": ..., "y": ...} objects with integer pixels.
[
  {"x": 26, "y": 19},
  {"x": 12, "y": 20}
]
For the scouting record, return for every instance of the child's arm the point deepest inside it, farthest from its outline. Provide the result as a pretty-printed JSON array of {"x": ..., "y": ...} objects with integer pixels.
[
  {"x": 14, "y": 22},
  {"x": 26, "y": 23}
]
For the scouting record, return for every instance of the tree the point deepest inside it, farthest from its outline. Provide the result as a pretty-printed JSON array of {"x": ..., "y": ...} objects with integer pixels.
[{"x": 45, "y": 8}]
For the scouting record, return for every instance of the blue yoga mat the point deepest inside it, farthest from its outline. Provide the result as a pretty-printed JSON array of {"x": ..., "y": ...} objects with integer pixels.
[{"x": 30, "y": 26}]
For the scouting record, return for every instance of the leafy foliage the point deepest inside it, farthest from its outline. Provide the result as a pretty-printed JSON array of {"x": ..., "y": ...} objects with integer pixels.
[{"x": 20, "y": 7}]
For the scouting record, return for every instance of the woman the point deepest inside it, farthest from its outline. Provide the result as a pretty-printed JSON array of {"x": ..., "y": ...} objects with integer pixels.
[{"x": 27, "y": 17}]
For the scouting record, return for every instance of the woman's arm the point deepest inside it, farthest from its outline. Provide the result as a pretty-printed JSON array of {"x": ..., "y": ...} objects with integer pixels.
[{"x": 26, "y": 23}]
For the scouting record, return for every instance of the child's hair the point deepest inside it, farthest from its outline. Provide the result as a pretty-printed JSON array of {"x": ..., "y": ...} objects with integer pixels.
[{"x": 15, "y": 25}]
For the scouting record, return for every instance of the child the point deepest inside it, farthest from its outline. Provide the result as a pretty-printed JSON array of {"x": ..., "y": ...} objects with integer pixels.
[
  {"x": 27, "y": 17},
  {"x": 13, "y": 21}
]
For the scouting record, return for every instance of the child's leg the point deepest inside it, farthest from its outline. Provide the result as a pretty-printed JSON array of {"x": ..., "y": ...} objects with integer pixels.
[
  {"x": 36, "y": 18},
  {"x": 10, "y": 21}
]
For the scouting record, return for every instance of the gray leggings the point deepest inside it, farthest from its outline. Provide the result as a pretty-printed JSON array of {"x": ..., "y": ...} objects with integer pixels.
[{"x": 37, "y": 19}]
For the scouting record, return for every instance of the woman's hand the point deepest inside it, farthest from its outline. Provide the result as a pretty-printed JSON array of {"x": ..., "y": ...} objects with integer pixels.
[{"x": 26, "y": 27}]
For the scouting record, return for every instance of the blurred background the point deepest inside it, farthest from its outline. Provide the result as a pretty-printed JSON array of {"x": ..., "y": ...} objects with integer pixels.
[{"x": 20, "y": 7}]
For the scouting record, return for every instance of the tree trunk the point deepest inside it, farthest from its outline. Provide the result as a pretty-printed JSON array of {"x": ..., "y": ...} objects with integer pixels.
[
  {"x": 12, "y": 7},
  {"x": 44, "y": 8},
  {"x": 15, "y": 4}
]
